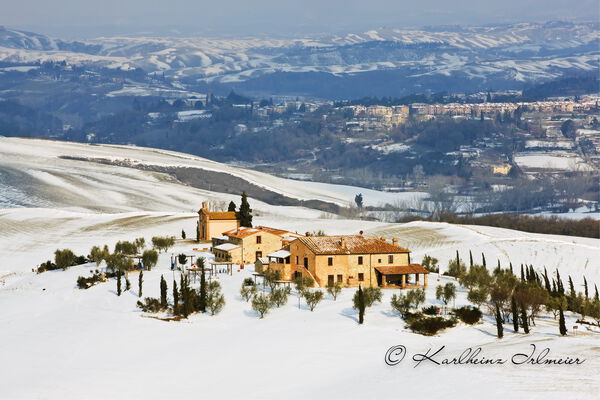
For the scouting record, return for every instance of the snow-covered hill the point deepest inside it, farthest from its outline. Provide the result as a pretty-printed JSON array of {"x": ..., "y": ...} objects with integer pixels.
[{"x": 519, "y": 52}]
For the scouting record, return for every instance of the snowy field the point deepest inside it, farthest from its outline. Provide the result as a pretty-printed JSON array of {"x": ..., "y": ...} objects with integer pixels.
[
  {"x": 59, "y": 342},
  {"x": 555, "y": 160}
]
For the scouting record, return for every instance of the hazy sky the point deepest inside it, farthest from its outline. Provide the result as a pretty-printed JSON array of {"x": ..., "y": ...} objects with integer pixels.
[{"x": 88, "y": 18}]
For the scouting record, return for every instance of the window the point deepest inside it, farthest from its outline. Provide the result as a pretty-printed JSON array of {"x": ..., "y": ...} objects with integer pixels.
[
  {"x": 258, "y": 239},
  {"x": 340, "y": 278},
  {"x": 390, "y": 259},
  {"x": 361, "y": 277},
  {"x": 379, "y": 260},
  {"x": 360, "y": 260},
  {"x": 297, "y": 262},
  {"x": 330, "y": 261}
]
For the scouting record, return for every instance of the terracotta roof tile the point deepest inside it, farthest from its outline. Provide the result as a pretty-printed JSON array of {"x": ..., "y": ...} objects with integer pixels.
[
  {"x": 354, "y": 244},
  {"x": 219, "y": 215},
  {"x": 402, "y": 269},
  {"x": 243, "y": 232}
]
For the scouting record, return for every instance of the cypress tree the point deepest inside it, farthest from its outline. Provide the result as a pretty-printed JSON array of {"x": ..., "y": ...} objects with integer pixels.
[
  {"x": 511, "y": 269},
  {"x": 361, "y": 305},
  {"x": 202, "y": 299},
  {"x": 118, "y": 282},
  {"x": 515, "y": 314},
  {"x": 561, "y": 321},
  {"x": 585, "y": 287},
  {"x": 596, "y": 297},
  {"x": 175, "y": 296},
  {"x": 499, "y": 321},
  {"x": 483, "y": 260},
  {"x": 163, "y": 292},
  {"x": 185, "y": 296},
  {"x": 554, "y": 290},
  {"x": 231, "y": 206},
  {"x": 559, "y": 284},
  {"x": 571, "y": 287},
  {"x": 457, "y": 260},
  {"x": 140, "y": 281},
  {"x": 524, "y": 319},
  {"x": 547, "y": 281},
  {"x": 533, "y": 275},
  {"x": 522, "y": 274},
  {"x": 470, "y": 259},
  {"x": 245, "y": 213}
]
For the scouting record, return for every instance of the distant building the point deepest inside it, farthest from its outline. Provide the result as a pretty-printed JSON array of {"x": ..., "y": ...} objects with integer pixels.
[
  {"x": 501, "y": 169},
  {"x": 212, "y": 223}
]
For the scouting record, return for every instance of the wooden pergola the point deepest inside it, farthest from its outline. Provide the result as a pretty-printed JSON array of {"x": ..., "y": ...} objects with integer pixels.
[{"x": 215, "y": 264}]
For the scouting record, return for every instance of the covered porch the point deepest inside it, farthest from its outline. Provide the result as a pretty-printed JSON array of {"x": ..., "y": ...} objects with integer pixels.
[{"x": 401, "y": 276}]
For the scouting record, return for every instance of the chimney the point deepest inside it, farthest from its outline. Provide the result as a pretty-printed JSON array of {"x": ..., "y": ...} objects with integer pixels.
[
  {"x": 343, "y": 243},
  {"x": 204, "y": 205},
  {"x": 395, "y": 241}
]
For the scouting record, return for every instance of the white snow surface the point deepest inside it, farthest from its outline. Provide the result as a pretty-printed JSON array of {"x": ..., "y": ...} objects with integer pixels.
[
  {"x": 559, "y": 160},
  {"x": 58, "y": 341}
]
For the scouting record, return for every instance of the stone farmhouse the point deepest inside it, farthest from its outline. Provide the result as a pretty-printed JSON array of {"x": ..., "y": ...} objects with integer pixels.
[
  {"x": 246, "y": 245},
  {"x": 348, "y": 260}
]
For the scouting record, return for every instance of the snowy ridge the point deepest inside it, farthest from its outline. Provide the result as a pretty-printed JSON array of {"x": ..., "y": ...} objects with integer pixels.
[{"x": 519, "y": 51}]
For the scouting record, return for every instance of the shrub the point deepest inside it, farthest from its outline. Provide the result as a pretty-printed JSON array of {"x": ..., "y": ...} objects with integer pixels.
[
  {"x": 430, "y": 263},
  {"x": 97, "y": 254},
  {"x": 312, "y": 298},
  {"x": 400, "y": 303},
  {"x": 163, "y": 243},
  {"x": 468, "y": 315},
  {"x": 149, "y": 258},
  {"x": 261, "y": 303},
  {"x": 431, "y": 310},
  {"x": 248, "y": 282},
  {"x": 87, "y": 282},
  {"x": 429, "y": 326},
  {"x": 248, "y": 292},
  {"x": 64, "y": 258},
  {"x": 279, "y": 296},
  {"x": 302, "y": 283},
  {"x": 446, "y": 292},
  {"x": 47, "y": 266},
  {"x": 456, "y": 268},
  {"x": 150, "y": 304},
  {"x": 372, "y": 294},
  {"x": 334, "y": 290},
  {"x": 271, "y": 277},
  {"x": 126, "y": 247},
  {"x": 215, "y": 301}
]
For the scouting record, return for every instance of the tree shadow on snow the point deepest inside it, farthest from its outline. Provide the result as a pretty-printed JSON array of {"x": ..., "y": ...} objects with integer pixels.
[
  {"x": 350, "y": 313},
  {"x": 251, "y": 314}
]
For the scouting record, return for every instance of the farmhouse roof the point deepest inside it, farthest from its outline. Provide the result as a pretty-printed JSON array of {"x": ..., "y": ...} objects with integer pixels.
[
  {"x": 243, "y": 232},
  {"x": 353, "y": 244}
]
